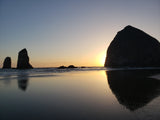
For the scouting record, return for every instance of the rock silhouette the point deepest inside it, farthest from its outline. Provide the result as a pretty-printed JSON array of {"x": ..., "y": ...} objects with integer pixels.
[
  {"x": 23, "y": 60},
  {"x": 7, "y": 63},
  {"x": 71, "y": 66},
  {"x": 134, "y": 88},
  {"x": 132, "y": 47},
  {"x": 64, "y": 67}
]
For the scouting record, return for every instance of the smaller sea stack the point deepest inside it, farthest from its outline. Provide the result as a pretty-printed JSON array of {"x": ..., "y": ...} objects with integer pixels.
[
  {"x": 7, "y": 63},
  {"x": 23, "y": 60}
]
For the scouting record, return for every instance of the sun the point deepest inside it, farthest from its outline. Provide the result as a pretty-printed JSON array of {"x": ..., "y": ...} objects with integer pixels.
[{"x": 101, "y": 58}]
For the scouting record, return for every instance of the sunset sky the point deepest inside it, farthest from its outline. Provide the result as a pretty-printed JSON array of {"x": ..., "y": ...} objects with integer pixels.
[{"x": 64, "y": 32}]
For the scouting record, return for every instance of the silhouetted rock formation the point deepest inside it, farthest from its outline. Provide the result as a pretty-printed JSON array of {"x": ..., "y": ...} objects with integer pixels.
[
  {"x": 83, "y": 67},
  {"x": 71, "y": 66},
  {"x": 132, "y": 47},
  {"x": 7, "y": 63},
  {"x": 134, "y": 88},
  {"x": 23, "y": 60},
  {"x": 64, "y": 67}
]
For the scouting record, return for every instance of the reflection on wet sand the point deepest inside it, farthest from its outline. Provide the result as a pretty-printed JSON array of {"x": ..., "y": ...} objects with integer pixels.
[
  {"x": 23, "y": 81},
  {"x": 134, "y": 88},
  {"x": 7, "y": 79}
]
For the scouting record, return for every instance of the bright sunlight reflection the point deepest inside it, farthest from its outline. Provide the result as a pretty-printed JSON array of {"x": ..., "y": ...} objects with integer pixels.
[{"x": 101, "y": 58}]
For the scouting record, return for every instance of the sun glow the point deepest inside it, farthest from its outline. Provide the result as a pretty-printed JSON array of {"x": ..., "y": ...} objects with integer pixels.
[{"x": 101, "y": 58}]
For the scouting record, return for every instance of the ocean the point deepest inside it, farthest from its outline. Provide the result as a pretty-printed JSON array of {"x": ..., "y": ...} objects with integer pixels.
[{"x": 91, "y": 93}]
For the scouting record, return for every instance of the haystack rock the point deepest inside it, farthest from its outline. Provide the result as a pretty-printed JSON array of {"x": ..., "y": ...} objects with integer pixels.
[
  {"x": 7, "y": 63},
  {"x": 23, "y": 60},
  {"x": 132, "y": 47}
]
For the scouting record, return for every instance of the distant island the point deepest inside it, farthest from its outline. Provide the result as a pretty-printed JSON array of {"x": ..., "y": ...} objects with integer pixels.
[
  {"x": 70, "y": 66},
  {"x": 132, "y": 47}
]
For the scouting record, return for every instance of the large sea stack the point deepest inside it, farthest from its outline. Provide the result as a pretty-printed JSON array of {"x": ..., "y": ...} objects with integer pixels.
[
  {"x": 132, "y": 47},
  {"x": 23, "y": 60},
  {"x": 7, "y": 63}
]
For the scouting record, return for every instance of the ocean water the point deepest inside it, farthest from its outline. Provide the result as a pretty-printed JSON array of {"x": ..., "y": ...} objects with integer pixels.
[{"x": 94, "y": 93}]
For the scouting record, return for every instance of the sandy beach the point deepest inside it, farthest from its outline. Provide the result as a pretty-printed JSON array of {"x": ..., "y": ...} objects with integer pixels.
[{"x": 88, "y": 93}]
